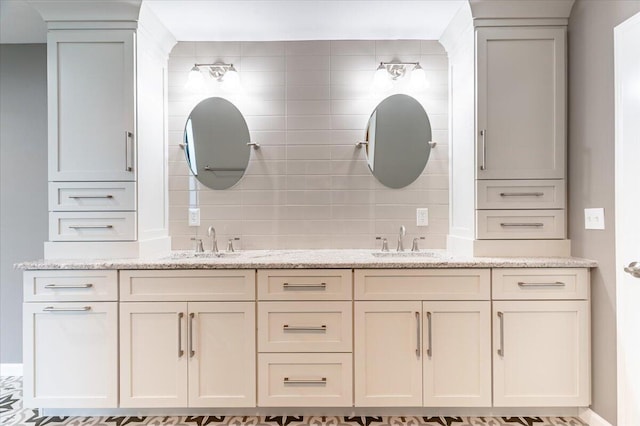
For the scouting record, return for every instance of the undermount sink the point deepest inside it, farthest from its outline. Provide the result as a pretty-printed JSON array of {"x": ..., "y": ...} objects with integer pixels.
[
  {"x": 206, "y": 255},
  {"x": 404, "y": 254}
]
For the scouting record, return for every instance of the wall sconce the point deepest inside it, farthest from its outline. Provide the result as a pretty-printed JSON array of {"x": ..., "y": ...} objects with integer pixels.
[
  {"x": 226, "y": 74},
  {"x": 388, "y": 72}
]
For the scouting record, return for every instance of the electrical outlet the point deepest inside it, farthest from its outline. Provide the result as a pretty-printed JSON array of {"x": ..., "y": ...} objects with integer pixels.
[
  {"x": 194, "y": 217},
  {"x": 422, "y": 217},
  {"x": 594, "y": 218}
]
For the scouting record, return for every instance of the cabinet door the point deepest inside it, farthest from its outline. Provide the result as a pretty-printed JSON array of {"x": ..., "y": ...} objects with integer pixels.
[
  {"x": 71, "y": 355},
  {"x": 457, "y": 354},
  {"x": 91, "y": 105},
  {"x": 521, "y": 111},
  {"x": 542, "y": 354},
  {"x": 153, "y": 354},
  {"x": 388, "y": 354},
  {"x": 222, "y": 354}
]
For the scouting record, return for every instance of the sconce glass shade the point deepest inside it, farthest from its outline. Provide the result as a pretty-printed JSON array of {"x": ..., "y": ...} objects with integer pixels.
[
  {"x": 195, "y": 80},
  {"x": 382, "y": 78},
  {"x": 231, "y": 79},
  {"x": 418, "y": 78}
]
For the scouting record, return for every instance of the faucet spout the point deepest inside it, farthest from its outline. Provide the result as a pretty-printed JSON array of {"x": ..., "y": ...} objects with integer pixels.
[
  {"x": 403, "y": 232},
  {"x": 214, "y": 242}
]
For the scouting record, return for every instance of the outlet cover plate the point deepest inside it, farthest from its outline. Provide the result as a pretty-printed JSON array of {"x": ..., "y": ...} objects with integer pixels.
[
  {"x": 594, "y": 218},
  {"x": 422, "y": 217},
  {"x": 194, "y": 217}
]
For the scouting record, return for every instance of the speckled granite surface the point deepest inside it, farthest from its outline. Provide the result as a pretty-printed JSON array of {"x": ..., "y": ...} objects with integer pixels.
[{"x": 288, "y": 259}]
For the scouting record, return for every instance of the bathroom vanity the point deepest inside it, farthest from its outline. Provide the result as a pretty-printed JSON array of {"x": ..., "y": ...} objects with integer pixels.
[{"x": 327, "y": 328}]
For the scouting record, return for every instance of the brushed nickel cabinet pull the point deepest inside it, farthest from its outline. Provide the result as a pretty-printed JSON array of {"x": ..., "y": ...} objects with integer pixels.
[
  {"x": 554, "y": 284},
  {"x": 290, "y": 286},
  {"x": 418, "y": 340},
  {"x": 483, "y": 133},
  {"x": 429, "y": 351},
  {"x": 288, "y": 327},
  {"x": 54, "y": 309},
  {"x": 128, "y": 139},
  {"x": 56, "y": 286},
  {"x": 191, "y": 351},
  {"x": 501, "y": 349},
  {"x": 180, "y": 350},
  {"x": 521, "y": 194},
  {"x": 91, "y": 226},
  {"x": 531, "y": 225},
  {"x": 321, "y": 381},
  {"x": 90, "y": 196}
]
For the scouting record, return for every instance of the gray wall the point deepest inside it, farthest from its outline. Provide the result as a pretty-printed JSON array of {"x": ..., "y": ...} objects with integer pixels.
[
  {"x": 23, "y": 180},
  {"x": 591, "y": 174}
]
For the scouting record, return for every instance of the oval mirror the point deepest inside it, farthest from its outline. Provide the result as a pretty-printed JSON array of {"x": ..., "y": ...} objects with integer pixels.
[
  {"x": 397, "y": 141},
  {"x": 215, "y": 138}
]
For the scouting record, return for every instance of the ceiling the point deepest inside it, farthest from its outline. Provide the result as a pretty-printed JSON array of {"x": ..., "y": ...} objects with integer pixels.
[{"x": 253, "y": 20}]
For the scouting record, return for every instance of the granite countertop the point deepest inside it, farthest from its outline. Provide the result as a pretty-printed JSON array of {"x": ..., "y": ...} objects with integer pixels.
[{"x": 289, "y": 259}]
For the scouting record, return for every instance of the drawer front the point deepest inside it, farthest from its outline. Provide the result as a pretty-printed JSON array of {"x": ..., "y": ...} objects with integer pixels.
[
  {"x": 70, "y": 286},
  {"x": 422, "y": 284},
  {"x": 304, "y": 284},
  {"x": 305, "y": 326},
  {"x": 520, "y": 194},
  {"x": 305, "y": 380},
  {"x": 520, "y": 224},
  {"x": 92, "y": 226},
  {"x": 542, "y": 283},
  {"x": 92, "y": 196},
  {"x": 187, "y": 285}
]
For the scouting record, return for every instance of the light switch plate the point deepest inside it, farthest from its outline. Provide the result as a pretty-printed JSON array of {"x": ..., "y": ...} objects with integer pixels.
[
  {"x": 422, "y": 217},
  {"x": 594, "y": 218},
  {"x": 194, "y": 217}
]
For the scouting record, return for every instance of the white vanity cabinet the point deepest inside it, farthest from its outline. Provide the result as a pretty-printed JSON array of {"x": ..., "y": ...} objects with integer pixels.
[
  {"x": 70, "y": 339},
  {"x": 541, "y": 338},
  {"x": 422, "y": 338},
  {"x": 187, "y": 338}
]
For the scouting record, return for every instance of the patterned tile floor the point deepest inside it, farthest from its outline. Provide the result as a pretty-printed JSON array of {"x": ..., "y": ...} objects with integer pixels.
[{"x": 12, "y": 413}]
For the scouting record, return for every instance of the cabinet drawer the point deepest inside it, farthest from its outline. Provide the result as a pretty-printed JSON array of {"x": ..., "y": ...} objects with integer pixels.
[
  {"x": 543, "y": 283},
  {"x": 187, "y": 285},
  {"x": 304, "y": 284},
  {"x": 422, "y": 284},
  {"x": 520, "y": 224},
  {"x": 88, "y": 196},
  {"x": 70, "y": 286},
  {"x": 92, "y": 226},
  {"x": 304, "y": 326},
  {"x": 520, "y": 194},
  {"x": 305, "y": 380}
]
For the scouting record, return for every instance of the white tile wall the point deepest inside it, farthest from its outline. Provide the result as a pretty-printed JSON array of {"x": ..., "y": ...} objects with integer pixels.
[{"x": 308, "y": 186}]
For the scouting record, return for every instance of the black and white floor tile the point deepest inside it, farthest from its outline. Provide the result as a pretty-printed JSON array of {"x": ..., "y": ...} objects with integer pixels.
[{"x": 12, "y": 413}]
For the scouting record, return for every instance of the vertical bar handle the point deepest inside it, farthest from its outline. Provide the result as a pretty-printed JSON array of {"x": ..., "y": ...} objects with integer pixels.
[
  {"x": 483, "y": 165},
  {"x": 429, "y": 351},
  {"x": 501, "y": 348},
  {"x": 191, "y": 351},
  {"x": 128, "y": 140},
  {"x": 418, "y": 340},
  {"x": 180, "y": 350}
]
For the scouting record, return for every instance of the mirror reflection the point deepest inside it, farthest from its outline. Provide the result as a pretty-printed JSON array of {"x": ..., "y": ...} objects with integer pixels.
[
  {"x": 215, "y": 138},
  {"x": 397, "y": 141}
]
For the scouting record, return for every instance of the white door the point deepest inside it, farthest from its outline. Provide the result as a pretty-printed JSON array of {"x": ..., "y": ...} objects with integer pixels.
[
  {"x": 627, "y": 72},
  {"x": 521, "y": 112},
  {"x": 222, "y": 354},
  {"x": 541, "y": 353},
  {"x": 153, "y": 354},
  {"x": 71, "y": 355},
  {"x": 388, "y": 354},
  {"x": 457, "y": 354},
  {"x": 91, "y": 105}
]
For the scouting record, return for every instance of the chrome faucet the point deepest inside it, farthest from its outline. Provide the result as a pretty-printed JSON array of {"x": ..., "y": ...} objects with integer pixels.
[
  {"x": 403, "y": 232},
  {"x": 214, "y": 243}
]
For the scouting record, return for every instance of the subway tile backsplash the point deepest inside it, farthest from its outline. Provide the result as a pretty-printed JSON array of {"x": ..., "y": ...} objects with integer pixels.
[{"x": 308, "y": 186}]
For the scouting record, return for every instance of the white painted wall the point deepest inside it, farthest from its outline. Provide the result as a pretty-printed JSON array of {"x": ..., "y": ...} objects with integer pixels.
[
  {"x": 23, "y": 180},
  {"x": 591, "y": 174},
  {"x": 307, "y": 103}
]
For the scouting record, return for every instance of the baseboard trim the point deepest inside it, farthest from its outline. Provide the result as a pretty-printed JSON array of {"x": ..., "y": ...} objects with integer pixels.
[
  {"x": 592, "y": 418},
  {"x": 11, "y": 370}
]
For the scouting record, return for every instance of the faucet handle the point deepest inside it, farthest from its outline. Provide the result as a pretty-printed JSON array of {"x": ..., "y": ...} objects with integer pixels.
[
  {"x": 199, "y": 248},
  {"x": 414, "y": 246},
  {"x": 230, "y": 248},
  {"x": 385, "y": 244}
]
